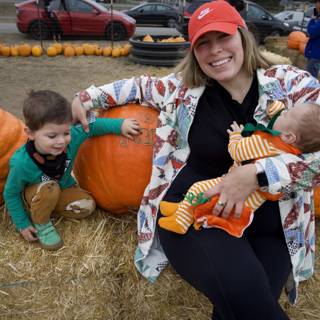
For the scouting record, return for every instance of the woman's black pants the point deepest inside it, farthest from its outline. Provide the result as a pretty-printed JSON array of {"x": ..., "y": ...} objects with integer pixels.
[{"x": 242, "y": 277}]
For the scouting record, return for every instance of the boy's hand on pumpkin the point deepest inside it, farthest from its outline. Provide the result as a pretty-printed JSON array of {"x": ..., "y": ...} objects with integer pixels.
[
  {"x": 130, "y": 128},
  {"x": 29, "y": 233}
]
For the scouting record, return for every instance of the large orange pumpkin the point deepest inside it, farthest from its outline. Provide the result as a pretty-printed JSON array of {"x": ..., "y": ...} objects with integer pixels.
[
  {"x": 12, "y": 136},
  {"x": 115, "y": 169},
  {"x": 294, "y": 39},
  {"x": 316, "y": 200}
]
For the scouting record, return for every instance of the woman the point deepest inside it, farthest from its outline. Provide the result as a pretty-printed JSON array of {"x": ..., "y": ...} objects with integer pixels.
[{"x": 223, "y": 79}]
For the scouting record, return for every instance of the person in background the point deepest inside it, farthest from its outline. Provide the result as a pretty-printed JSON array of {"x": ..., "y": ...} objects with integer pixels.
[
  {"x": 51, "y": 7},
  {"x": 222, "y": 79},
  {"x": 39, "y": 184},
  {"x": 312, "y": 50}
]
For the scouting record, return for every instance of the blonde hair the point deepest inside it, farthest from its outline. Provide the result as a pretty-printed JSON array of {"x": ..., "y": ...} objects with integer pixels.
[
  {"x": 309, "y": 129},
  {"x": 192, "y": 76}
]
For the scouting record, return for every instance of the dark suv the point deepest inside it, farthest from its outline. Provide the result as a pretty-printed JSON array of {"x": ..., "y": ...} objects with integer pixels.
[{"x": 259, "y": 21}]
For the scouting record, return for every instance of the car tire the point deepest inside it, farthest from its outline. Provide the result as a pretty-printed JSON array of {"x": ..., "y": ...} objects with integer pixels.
[
  {"x": 119, "y": 31},
  {"x": 157, "y": 53},
  {"x": 136, "y": 42},
  {"x": 38, "y": 30},
  {"x": 155, "y": 61},
  {"x": 171, "y": 23},
  {"x": 137, "y": 52}
]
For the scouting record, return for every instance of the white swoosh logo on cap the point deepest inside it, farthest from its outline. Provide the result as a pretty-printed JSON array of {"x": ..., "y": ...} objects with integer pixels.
[{"x": 204, "y": 13}]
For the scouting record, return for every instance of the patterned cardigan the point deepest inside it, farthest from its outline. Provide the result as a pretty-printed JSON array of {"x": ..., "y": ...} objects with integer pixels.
[{"x": 291, "y": 175}]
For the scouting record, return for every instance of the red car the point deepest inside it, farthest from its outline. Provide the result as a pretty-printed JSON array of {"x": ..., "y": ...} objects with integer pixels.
[{"x": 78, "y": 17}]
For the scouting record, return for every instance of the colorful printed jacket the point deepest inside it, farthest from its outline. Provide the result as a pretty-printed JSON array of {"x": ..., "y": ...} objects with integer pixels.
[{"x": 289, "y": 174}]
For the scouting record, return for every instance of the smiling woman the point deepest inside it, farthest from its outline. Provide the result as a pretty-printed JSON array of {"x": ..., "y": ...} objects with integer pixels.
[{"x": 222, "y": 79}]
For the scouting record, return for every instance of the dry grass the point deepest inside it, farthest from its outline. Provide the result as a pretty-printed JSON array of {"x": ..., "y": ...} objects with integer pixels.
[{"x": 93, "y": 277}]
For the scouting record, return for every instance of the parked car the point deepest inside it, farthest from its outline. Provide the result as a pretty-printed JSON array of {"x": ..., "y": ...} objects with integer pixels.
[
  {"x": 298, "y": 19},
  {"x": 81, "y": 18},
  {"x": 154, "y": 13},
  {"x": 259, "y": 21}
]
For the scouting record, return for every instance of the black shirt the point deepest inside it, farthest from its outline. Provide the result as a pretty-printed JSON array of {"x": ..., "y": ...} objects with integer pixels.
[{"x": 208, "y": 137}]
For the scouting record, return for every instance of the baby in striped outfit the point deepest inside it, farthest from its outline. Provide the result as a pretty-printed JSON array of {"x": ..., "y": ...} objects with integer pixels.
[{"x": 295, "y": 131}]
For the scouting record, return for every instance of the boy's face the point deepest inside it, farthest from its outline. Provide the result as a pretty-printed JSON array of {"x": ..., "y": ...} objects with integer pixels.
[
  {"x": 288, "y": 121},
  {"x": 51, "y": 139}
]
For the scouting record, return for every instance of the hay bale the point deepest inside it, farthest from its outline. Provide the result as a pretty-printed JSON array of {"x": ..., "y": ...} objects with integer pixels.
[
  {"x": 93, "y": 277},
  {"x": 275, "y": 58}
]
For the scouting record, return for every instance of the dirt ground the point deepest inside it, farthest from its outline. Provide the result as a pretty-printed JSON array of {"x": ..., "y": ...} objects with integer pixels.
[{"x": 64, "y": 75}]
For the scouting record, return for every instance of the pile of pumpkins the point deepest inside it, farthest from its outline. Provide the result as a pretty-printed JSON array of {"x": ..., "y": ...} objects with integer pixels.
[
  {"x": 66, "y": 49},
  {"x": 297, "y": 40},
  {"x": 149, "y": 38}
]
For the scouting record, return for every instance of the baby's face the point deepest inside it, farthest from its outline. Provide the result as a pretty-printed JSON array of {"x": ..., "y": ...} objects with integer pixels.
[
  {"x": 51, "y": 138},
  {"x": 289, "y": 120}
]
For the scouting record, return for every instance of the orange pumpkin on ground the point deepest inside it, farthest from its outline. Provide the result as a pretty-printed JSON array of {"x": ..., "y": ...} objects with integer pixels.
[
  {"x": 116, "y": 52},
  {"x": 79, "y": 50},
  {"x": 69, "y": 51},
  {"x": 36, "y": 51},
  {"x": 106, "y": 51},
  {"x": 14, "y": 52},
  {"x": 12, "y": 136},
  {"x": 58, "y": 47},
  {"x": 51, "y": 51},
  {"x": 294, "y": 38},
  {"x": 24, "y": 50},
  {"x": 5, "y": 51},
  {"x": 115, "y": 169}
]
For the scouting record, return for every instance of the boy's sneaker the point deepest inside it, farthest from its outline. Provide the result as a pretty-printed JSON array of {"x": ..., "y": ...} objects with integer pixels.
[{"x": 48, "y": 236}]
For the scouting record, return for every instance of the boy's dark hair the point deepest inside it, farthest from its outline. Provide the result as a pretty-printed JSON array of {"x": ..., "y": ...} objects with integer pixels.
[
  {"x": 46, "y": 106},
  {"x": 309, "y": 129}
]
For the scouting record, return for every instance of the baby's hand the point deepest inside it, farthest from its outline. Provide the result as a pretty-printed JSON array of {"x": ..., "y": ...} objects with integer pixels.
[
  {"x": 235, "y": 128},
  {"x": 29, "y": 233},
  {"x": 130, "y": 128}
]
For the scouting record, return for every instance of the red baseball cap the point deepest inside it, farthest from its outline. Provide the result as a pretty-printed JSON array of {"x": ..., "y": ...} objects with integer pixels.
[{"x": 214, "y": 16}]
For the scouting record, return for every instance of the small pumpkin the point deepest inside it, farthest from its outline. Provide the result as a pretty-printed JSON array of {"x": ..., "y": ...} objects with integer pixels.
[
  {"x": 59, "y": 47},
  {"x": 69, "y": 51},
  {"x": 98, "y": 51},
  {"x": 294, "y": 38},
  {"x": 51, "y": 51},
  {"x": 88, "y": 49},
  {"x": 79, "y": 50},
  {"x": 12, "y": 136},
  {"x": 116, "y": 52},
  {"x": 106, "y": 51},
  {"x": 125, "y": 51},
  {"x": 6, "y": 51},
  {"x": 36, "y": 51},
  {"x": 14, "y": 52},
  {"x": 115, "y": 169},
  {"x": 24, "y": 50}
]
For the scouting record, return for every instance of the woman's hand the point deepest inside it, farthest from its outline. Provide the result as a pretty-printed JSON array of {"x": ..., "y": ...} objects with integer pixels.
[
  {"x": 130, "y": 128},
  {"x": 235, "y": 187},
  {"x": 79, "y": 113},
  {"x": 29, "y": 233},
  {"x": 235, "y": 128}
]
